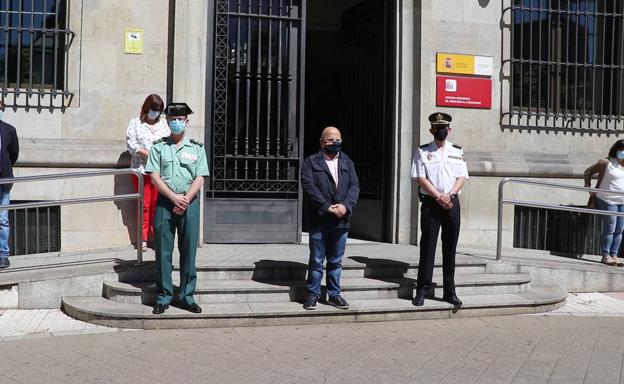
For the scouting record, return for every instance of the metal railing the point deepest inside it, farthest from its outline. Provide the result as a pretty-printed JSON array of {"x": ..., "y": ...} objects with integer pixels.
[
  {"x": 502, "y": 201},
  {"x": 83, "y": 200}
]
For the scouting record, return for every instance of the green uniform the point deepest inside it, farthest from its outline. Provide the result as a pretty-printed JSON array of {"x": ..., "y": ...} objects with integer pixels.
[{"x": 178, "y": 167}]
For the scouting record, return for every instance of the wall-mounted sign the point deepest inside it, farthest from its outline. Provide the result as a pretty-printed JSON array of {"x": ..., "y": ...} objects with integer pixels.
[
  {"x": 463, "y": 92},
  {"x": 133, "y": 41},
  {"x": 464, "y": 64}
]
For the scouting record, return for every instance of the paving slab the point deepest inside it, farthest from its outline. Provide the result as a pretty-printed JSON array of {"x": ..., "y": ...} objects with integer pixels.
[
  {"x": 506, "y": 349},
  {"x": 16, "y": 324}
]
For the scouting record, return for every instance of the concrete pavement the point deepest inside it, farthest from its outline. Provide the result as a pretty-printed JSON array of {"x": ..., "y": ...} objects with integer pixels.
[
  {"x": 581, "y": 342},
  {"x": 28, "y": 323},
  {"x": 507, "y": 349}
]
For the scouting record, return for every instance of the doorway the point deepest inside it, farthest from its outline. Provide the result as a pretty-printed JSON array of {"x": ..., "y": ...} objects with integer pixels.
[
  {"x": 280, "y": 72},
  {"x": 350, "y": 85}
]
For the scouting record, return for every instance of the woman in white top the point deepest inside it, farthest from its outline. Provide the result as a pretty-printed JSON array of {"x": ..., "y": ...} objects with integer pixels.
[
  {"x": 610, "y": 177},
  {"x": 142, "y": 132}
]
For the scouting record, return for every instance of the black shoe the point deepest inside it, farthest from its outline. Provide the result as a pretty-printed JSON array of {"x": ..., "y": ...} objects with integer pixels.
[
  {"x": 338, "y": 302},
  {"x": 159, "y": 309},
  {"x": 453, "y": 299},
  {"x": 310, "y": 302},
  {"x": 419, "y": 299},
  {"x": 4, "y": 262},
  {"x": 190, "y": 307}
]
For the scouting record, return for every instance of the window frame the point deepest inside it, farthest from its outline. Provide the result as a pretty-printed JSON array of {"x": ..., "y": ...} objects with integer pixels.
[
  {"x": 18, "y": 21},
  {"x": 563, "y": 101}
]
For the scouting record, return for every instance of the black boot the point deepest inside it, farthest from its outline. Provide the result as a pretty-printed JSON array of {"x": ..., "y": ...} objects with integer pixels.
[
  {"x": 421, "y": 295},
  {"x": 419, "y": 299},
  {"x": 452, "y": 298}
]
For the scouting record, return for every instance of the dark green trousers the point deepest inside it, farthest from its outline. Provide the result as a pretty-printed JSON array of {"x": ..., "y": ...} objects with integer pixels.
[{"x": 166, "y": 223}]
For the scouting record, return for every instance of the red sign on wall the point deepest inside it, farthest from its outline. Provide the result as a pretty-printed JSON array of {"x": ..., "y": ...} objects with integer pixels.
[{"x": 463, "y": 92}]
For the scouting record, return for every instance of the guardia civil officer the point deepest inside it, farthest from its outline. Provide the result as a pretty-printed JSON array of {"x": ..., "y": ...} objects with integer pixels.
[
  {"x": 440, "y": 170},
  {"x": 177, "y": 166}
]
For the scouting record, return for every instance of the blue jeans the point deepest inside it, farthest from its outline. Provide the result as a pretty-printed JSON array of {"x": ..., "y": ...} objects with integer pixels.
[
  {"x": 326, "y": 244},
  {"x": 612, "y": 227},
  {"x": 4, "y": 224}
]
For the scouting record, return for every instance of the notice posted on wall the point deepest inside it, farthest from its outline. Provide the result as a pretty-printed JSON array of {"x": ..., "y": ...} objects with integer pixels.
[
  {"x": 133, "y": 41},
  {"x": 463, "y": 92}
]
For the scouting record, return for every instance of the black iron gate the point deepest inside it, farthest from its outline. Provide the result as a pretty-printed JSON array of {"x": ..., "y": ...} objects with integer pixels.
[{"x": 254, "y": 121}]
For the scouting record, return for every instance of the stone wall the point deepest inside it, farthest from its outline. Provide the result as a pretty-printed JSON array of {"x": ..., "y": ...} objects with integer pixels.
[
  {"x": 109, "y": 88},
  {"x": 474, "y": 27}
]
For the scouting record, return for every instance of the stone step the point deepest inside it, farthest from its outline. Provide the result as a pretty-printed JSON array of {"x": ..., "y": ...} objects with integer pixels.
[
  {"x": 242, "y": 291},
  {"x": 99, "y": 310},
  {"x": 292, "y": 270}
]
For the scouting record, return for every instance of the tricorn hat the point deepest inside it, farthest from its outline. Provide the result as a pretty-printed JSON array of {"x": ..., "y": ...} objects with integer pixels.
[
  {"x": 440, "y": 118},
  {"x": 177, "y": 109}
]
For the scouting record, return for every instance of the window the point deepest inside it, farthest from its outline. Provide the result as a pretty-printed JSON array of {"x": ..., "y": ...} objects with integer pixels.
[
  {"x": 34, "y": 230},
  {"x": 34, "y": 42},
  {"x": 565, "y": 66}
]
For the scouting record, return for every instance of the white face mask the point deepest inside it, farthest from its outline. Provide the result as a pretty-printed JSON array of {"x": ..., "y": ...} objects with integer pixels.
[
  {"x": 153, "y": 115},
  {"x": 177, "y": 126}
]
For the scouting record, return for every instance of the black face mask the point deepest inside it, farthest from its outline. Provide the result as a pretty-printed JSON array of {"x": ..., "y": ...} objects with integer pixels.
[
  {"x": 332, "y": 149},
  {"x": 440, "y": 134}
]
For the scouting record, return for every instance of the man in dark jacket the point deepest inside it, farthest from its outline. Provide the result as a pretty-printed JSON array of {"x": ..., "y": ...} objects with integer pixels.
[
  {"x": 331, "y": 189},
  {"x": 9, "y": 150}
]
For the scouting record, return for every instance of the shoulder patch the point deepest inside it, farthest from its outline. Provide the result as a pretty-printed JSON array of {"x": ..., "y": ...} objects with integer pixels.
[
  {"x": 424, "y": 146},
  {"x": 197, "y": 142},
  {"x": 457, "y": 146}
]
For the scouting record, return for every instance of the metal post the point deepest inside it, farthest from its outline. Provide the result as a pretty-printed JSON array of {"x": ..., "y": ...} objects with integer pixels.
[{"x": 499, "y": 227}]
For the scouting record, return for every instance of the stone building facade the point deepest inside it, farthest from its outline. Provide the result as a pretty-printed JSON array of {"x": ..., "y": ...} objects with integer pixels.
[{"x": 367, "y": 66}]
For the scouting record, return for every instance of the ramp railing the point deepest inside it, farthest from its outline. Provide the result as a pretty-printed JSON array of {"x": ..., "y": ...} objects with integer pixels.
[
  {"x": 85, "y": 200},
  {"x": 512, "y": 180}
]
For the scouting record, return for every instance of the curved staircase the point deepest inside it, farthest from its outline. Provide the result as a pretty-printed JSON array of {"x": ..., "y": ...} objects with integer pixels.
[{"x": 257, "y": 291}]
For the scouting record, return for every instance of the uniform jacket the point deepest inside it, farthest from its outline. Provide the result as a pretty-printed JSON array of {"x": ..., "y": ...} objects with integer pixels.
[
  {"x": 178, "y": 167},
  {"x": 320, "y": 190},
  {"x": 441, "y": 168},
  {"x": 9, "y": 151}
]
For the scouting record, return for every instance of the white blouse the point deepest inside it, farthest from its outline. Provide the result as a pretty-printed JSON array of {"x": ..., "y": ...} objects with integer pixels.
[
  {"x": 613, "y": 180},
  {"x": 140, "y": 135}
]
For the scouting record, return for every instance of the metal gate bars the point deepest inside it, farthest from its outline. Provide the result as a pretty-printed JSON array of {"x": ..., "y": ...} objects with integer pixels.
[
  {"x": 256, "y": 104},
  {"x": 256, "y": 122}
]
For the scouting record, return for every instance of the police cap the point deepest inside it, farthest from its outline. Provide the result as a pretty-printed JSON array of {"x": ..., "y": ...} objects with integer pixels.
[
  {"x": 177, "y": 109},
  {"x": 440, "y": 118}
]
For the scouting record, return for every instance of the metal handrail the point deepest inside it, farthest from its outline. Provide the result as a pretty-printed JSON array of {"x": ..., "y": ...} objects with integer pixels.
[
  {"x": 82, "y": 200},
  {"x": 502, "y": 201}
]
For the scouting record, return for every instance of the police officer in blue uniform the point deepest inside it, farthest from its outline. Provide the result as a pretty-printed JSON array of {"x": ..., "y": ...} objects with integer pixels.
[
  {"x": 440, "y": 170},
  {"x": 177, "y": 166}
]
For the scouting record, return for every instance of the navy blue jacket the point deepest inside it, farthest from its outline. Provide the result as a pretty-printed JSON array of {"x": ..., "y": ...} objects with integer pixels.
[
  {"x": 320, "y": 190},
  {"x": 9, "y": 151}
]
